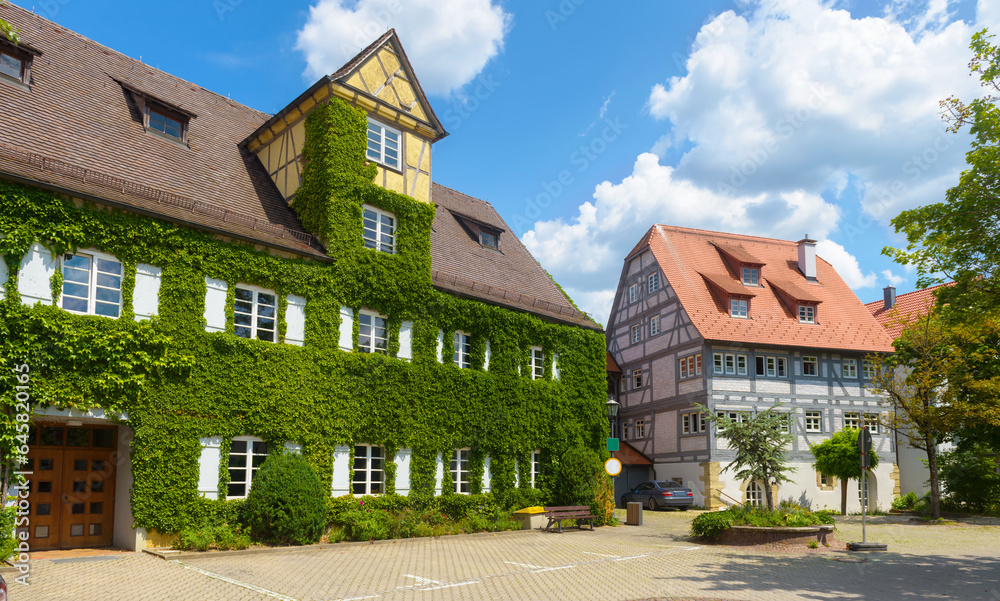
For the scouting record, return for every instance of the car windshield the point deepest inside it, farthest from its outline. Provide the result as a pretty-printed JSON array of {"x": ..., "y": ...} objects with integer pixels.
[{"x": 668, "y": 484}]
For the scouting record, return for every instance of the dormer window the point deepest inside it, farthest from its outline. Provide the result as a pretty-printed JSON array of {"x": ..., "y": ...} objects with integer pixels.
[
  {"x": 489, "y": 238},
  {"x": 739, "y": 307},
  {"x": 751, "y": 276},
  {"x": 165, "y": 122},
  {"x": 807, "y": 314},
  {"x": 15, "y": 62},
  {"x": 383, "y": 144}
]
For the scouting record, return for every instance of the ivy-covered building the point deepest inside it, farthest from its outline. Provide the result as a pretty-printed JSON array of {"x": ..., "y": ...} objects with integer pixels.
[{"x": 191, "y": 284}]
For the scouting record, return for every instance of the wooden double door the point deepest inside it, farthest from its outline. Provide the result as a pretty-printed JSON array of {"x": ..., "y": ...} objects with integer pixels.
[{"x": 71, "y": 487}]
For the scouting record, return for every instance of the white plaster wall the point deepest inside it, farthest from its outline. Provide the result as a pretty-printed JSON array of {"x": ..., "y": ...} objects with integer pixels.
[
  {"x": 773, "y": 386},
  {"x": 125, "y": 536},
  {"x": 688, "y": 473},
  {"x": 731, "y": 384}
]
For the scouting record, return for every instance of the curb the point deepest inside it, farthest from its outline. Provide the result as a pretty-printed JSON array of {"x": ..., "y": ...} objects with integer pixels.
[{"x": 169, "y": 554}]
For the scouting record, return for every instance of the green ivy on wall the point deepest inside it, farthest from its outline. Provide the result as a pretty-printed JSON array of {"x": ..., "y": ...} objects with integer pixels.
[{"x": 177, "y": 383}]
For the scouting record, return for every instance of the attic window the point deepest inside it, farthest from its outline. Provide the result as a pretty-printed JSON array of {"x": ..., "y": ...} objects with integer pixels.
[
  {"x": 739, "y": 307},
  {"x": 15, "y": 62},
  {"x": 751, "y": 276},
  {"x": 383, "y": 144},
  {"x": 11, "y": 66},
  {"x": 489, "y": 238},
  {"x": 163, "y": 121},
  {"x": 807, "y": 314}
]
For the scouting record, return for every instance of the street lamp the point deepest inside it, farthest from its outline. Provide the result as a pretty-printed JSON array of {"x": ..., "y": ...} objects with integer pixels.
[{"x": 612, "y": 407}]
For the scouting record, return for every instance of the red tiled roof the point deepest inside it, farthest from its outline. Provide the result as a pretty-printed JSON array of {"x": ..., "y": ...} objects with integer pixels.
[
  {"x": 908, "y": 308},
  {"x": 843, "y": 322},
  {"x": 612, "y": 365},
  {"x": 630, "y": 455}
]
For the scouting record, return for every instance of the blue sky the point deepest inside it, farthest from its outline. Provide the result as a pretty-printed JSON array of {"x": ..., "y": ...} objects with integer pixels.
[{"x": 585, "y": 122}]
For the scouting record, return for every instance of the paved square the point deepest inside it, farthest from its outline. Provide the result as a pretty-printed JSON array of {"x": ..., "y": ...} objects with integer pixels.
[{"x": 655, "y": 561}]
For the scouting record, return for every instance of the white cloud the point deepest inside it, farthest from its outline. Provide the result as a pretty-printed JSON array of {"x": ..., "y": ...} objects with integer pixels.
[
  {"x": 596, "y": 302},
  {"x": 448, "y": 41},
  {"x": 846, "y": 265},
  {"x": 892, "y": 278},
  {"x": 782, "y": 103}
]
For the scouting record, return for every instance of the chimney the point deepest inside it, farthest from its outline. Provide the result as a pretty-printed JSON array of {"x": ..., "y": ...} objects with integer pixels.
[
  {"x": 807, "y": 258},
  {"x": 890, "y": 297}
]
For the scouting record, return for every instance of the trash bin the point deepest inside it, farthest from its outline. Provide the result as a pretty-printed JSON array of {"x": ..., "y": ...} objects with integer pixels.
[{"x": 633, "y": 514}]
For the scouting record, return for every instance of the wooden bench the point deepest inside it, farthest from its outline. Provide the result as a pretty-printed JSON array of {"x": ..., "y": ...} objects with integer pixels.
[{"x": 578, "y": 512}]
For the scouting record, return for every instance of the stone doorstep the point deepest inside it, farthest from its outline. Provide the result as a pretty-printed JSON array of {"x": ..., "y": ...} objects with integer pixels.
[{"x": 173, "y": 554}]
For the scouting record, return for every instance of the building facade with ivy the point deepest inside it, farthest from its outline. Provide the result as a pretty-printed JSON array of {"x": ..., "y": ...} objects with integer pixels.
[
  {"x": 190, "y": 285},
  {"x": 740, "y": 324}
]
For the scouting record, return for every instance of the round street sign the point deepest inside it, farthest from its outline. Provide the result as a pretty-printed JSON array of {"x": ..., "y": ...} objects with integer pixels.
[
  {"x": 613, "y": 467},
  {"x": 865, "y": 441}
]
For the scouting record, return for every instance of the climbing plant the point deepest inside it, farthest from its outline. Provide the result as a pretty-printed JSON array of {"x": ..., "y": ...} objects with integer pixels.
[{"x": 174, "y": 384}]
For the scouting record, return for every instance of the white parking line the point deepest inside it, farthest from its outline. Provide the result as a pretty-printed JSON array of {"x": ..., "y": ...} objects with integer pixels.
[
  {"x": 601, "y": 554},
  {"x": 422, "y": 580},
  {"x": 523, "y": 565},
  {"x": 465, "y": 583},
  {"x": 239, "y": 583}
]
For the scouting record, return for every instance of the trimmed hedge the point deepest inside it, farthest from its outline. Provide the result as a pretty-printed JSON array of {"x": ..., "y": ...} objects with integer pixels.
[{"x": 287, "y": 502}]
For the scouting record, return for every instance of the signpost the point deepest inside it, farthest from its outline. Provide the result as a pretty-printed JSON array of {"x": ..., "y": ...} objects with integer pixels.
[{"x": 865, "y": 446}]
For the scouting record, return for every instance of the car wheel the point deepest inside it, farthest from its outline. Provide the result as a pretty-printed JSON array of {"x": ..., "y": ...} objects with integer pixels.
[{"x": 651, "y": 504}]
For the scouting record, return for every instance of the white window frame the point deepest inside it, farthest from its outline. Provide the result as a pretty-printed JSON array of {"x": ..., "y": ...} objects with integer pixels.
[
  {"x": 814, "y": 422},
  {"x": 536, "y": 466},
  {"x": 633, "y": 293},
  {"x": 868, "y": 369},
  {"x": 92, "y": 284},
  {"x": 751, "y": 276},
  {"x": 739, "y": 308},
  {"x": 785, "y": 419},
  {"x": 814, "y": 361},
  {"x": 755, "y": 494},
  {"x": 536, "y": 362},
  {"x": 255, "y": 313},
  {"x": 849, "y": 369},
  {"x": 459, "y": 476},
  {"x": 640, "y": 428},
  {"x": 690, "y": 366},
  {"x": 693, "y": 423},
  {"x": 371, "y": 347},
  {"x": 653, "y": 282},
  {"x": 736, "y": 416},
  {"x": 377, "y": 148},
  {"x": 636, "y": 378},
  {"x": 463, "y": 349},
  {"x": 635, "y": 333},
  {"x": 654, "y": 325},
  {"x": 370, "y": 480},
  {"x": 770, "y": 367},
  {"x": 249, "y": 469},
  {"x": 729, "y": 364},
  {"x": 807, "y": 314},
  {"x": 375, "y": 242},
  {"x": 871, "y": 420},
  {"x": 852, "y": 419}
]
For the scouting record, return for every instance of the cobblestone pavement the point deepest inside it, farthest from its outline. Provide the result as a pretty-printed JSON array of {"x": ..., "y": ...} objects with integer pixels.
[{"x": 657, "y": 560}]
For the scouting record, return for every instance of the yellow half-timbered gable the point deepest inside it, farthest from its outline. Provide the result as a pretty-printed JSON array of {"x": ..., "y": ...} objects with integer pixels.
[{"x": 380, "y": 81}]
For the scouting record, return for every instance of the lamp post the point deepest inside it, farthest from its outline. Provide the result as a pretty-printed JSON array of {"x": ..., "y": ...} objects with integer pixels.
[{"x": 612, "y": 407}]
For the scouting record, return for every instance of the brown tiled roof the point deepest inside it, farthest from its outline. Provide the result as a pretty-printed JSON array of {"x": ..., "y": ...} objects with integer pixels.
[
  {"x": 908, "y": 308},
  {"x": 80, "y": 120},
  {"x": 509, "y": 277},
  {"x": 844, "y": 323},
  {"x": 630, "y": 455},
  {"x": 612, "y": 365},
  {"x": 738, "y": 253}
]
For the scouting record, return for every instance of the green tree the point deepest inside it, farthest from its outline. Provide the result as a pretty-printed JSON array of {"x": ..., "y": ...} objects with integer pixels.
[
  {"x": 759, "y": 442},
  {"x": 970, "y": 477},
  {"x": 839, "y": 457}
]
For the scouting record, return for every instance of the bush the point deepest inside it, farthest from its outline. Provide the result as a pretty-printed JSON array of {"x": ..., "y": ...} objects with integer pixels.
[
  {"x": 711, "y": 525},
  {"x": 227, "y": 537},
  {"x": 198, "y": 539},
  {"x": 906, "y": 501},
  {"x": 969, "y": 478},
  {"x": 580, "y": 479},
  {"x": 8, "y": 538},
  {"x": 287, "y": 503}
]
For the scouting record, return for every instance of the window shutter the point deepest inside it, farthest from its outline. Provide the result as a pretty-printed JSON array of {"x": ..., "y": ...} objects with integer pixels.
[
  {"x": 486, "y": 361},
  {"x": 486, "y": 475},
  {"x": 440, "y": 346},
  {"x": 3, "y": 276},
  {"x": 402, "y": 461},
  {"x": 341, "y": 471},
  {"x": 293, "y": 447},
  {"x": 215, "y": 305},
  {"x": 146, "y": 297},
  {"x": 555, "y": 367},
  {"x": 346, "y": 329},
  {"x": 405, "y": 342},
  {"x": 35, "y": 276},
  {"x": 295, "y": 320},
  {"x": 208, "y": 467},
  {"x": 438, "y": 474}
]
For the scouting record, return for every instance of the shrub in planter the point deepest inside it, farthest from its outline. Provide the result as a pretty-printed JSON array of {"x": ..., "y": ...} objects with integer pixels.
[
  {"x": 228, "y": 537},
  {"x": 711, "y": 525},
  {"x": 198, "y": 538},
  {"x": 367, "y": 525},
  {"x": 287, "y": 503},
  {"x": 906, "y": 501}
]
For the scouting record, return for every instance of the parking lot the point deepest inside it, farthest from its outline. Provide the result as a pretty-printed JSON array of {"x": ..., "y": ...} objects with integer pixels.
[{"x": 656, "y": 560}]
